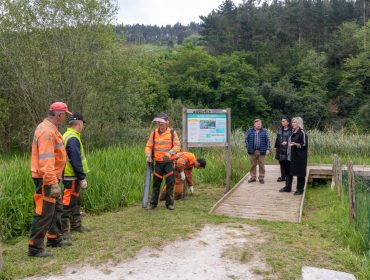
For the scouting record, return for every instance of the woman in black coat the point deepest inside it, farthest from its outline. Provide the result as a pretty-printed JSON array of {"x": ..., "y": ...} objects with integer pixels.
[
  {"x": 281, "y": 147},
  {"x": 297, "y": 156}
]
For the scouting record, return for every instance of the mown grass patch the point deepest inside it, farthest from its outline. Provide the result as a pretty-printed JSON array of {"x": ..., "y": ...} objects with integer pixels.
[{"x": 117, "y": 236}]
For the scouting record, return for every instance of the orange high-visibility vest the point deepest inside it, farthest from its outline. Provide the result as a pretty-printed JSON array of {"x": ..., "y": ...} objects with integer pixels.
[
  {"x": 162, "y": 145},
  {"x": 186, "y": 162},
  {"x": 48, "y": 153}
]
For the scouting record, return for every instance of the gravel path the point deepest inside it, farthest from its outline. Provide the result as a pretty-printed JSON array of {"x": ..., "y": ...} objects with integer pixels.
[{"x": 215, "y": 252}]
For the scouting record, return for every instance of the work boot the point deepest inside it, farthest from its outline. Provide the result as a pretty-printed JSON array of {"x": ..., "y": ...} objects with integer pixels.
[
  {"x": 284, "y": 190},
  {"x": 81, "y": 229},
  {"x": 62, "y": 243},
  {"x": 298, "y": 193},
  {"x": 170, "y": 207},
  {"x": 262, "y": 181},
  {"x": 67, "y": 236},
  {"x": 251, "y": 180},
  {"x": 41, "y": 254},
  {"x": 151, "y": 207}
]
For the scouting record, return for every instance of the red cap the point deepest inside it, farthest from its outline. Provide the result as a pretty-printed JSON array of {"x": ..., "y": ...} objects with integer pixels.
[{"x": 59, "y": 106}]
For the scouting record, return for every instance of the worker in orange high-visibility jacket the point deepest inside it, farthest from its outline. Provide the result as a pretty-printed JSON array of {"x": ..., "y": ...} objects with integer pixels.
[
  {"x": 47, "y": 164},
  {"x": 162, "y": 146},
  {"x": 183, "y": 172}
]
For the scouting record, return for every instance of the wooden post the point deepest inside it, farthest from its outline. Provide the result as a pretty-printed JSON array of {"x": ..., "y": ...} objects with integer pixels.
[
  {"x": 184, "y": 131},
  {"x": 339, "y": 180},
  {"x": 228, "y": 151},
  {"x": 351, "y": 193},
  {"x": 334, "y": 169}
]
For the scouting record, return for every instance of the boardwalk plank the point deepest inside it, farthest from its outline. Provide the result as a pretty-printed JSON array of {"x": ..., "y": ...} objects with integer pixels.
[{"x": 264, "y": 201}]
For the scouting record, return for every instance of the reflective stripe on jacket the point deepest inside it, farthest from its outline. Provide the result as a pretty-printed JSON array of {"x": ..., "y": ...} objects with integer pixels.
[
  {"x": 76, "y": 159},
  {"x": 162, "y": 145},
  {"x": 48, "y": 153}
]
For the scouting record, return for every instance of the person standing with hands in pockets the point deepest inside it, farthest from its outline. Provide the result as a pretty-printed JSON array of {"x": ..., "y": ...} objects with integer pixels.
[{"x": 258, "y": 146}]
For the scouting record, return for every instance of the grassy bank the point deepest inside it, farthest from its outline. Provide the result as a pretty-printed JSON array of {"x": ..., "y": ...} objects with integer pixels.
[
  {"x": 116, "y": 181},
  {"x": 117, "y": 174},
  {"x": 119, "y": 235}
]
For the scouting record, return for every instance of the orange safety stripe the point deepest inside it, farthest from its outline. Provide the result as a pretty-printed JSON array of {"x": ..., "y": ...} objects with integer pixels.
[
  {"x": 74, "y": 193},
  {"x": 49, "y": 199},
  {"x": 31, "y": 242},
  {"x": 157, "y": 175},
  {"x": 38, "y": 203},
  {"x": 67, "y": 193},
  {"x": 168, "y": 174},
  {"x": 67, "y": 197},
  {"x": 52, "y": 236}
]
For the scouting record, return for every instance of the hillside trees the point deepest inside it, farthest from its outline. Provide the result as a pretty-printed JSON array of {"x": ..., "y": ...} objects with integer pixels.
[{"x": 227, "y": 81}]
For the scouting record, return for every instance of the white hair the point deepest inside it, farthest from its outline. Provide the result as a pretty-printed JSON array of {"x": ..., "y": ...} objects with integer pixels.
[{"x": 299, "y": 120}]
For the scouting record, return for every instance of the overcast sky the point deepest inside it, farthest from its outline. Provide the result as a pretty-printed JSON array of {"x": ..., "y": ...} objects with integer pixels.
[{"x": 162, "y": 12}]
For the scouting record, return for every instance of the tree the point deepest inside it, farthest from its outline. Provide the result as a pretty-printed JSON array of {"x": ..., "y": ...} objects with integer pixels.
[
  {"x": 193, "y": 76},
  {"x": 51, "y": 51}
]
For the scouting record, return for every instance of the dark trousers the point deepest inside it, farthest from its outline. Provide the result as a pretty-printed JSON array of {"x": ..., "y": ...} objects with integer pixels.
[
  {"x": 46, "y": 218},
  {"x": 284, "y": 168},
  {"x": 71, "y": 205},
  {"x": 300, "y": 183},
  {"x": 163, "y": 170}
]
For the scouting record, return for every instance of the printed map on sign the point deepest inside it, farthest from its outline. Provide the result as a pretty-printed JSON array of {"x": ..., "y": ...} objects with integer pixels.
[{"x": 207, "y": 128}]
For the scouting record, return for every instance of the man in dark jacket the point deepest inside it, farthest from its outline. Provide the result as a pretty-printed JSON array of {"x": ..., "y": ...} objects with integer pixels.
[
  {"x": 297, "y": 156},
  {"x": 74, "y": 177},
  {"x": 258, "y": 145}
]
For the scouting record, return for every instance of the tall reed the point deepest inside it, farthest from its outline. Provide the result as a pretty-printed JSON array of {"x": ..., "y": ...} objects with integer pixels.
[{"x": 117, "y": 174}]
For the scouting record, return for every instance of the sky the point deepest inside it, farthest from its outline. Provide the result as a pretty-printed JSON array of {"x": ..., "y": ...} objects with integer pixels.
[{"x": 163, "y": 12}]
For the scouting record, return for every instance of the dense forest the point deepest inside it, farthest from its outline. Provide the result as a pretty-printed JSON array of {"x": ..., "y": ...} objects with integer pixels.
[
  {"x": 153, "y": 34},
  {"x": 261, "y": 59}
]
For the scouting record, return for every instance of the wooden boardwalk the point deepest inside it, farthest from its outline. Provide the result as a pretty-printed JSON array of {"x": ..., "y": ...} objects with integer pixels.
[{"x": 264, "y": 201}]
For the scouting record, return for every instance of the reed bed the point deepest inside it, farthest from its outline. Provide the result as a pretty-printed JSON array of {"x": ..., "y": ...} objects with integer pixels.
[{"x": 117, "y": 174}]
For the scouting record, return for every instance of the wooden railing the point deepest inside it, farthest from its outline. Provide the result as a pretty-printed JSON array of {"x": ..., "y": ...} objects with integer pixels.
[{"x": 338, "y": 185}]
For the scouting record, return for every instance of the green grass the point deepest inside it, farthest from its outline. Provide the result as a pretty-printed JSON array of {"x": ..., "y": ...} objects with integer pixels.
[
  {"x": 119, "y": 235},
  {"x": 116, "y": 180}
]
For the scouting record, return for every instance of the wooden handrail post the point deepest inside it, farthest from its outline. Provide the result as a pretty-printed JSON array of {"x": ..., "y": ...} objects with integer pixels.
[
  {"x": 340, "y": 180},
  {"x": 351, "y": 193},
  {"x": 334, "y": 181}
]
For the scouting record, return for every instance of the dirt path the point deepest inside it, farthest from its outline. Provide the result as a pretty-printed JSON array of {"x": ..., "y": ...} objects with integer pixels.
[{"x": 215, "y": 252}]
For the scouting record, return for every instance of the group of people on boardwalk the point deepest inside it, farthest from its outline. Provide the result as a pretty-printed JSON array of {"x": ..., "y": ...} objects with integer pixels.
[{"x": 290, "y": 150}]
